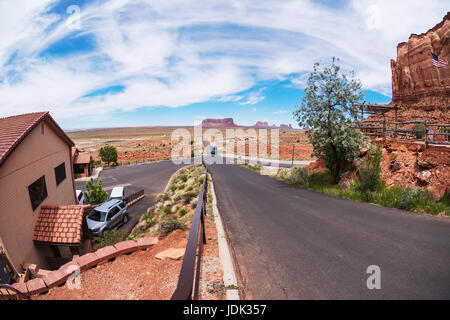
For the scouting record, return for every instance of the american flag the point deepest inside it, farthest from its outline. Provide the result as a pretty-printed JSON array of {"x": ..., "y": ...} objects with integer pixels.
[{"x": 438, "y": 62}]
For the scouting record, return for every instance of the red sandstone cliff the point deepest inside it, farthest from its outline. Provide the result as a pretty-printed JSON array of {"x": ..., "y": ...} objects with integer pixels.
[{"x": 415, "y": 80}]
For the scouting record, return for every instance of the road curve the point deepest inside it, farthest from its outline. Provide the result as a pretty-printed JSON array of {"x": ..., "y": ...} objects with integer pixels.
[
  {"x": 291, "y": 243},
  {"x": 152, "y": 177}
]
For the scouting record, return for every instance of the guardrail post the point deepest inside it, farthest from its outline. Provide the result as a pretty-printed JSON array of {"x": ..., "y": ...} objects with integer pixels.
[{"x": 426, "y": 132}]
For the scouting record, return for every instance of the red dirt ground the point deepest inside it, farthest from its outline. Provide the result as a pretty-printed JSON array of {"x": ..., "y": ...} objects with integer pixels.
[{"x": 140, "y": 276}]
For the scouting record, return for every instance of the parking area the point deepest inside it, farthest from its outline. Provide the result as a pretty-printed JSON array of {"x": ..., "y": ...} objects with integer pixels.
[{"x": 150, "y": 177}]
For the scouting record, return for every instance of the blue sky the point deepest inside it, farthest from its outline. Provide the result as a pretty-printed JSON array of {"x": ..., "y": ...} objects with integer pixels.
[{"x": 171, "y": 62}]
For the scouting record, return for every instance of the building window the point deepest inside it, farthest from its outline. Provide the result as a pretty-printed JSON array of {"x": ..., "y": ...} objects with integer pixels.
[
  {"x": 60, "y": 173},
  {"x": 38, "y": 192}
]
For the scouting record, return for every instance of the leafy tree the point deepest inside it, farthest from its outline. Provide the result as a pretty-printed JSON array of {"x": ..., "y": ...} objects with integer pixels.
[
  {"x": 108, "y": 154},
  {"x": 331, "y": 109},
  {"x": 95, "y": 193}
]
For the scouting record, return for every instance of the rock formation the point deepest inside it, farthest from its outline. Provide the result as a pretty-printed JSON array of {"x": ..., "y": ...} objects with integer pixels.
[
  {"x": 219, "y": 123},
  {"x": 229, "y": 123},
  {"x": 415, "y": 80}
]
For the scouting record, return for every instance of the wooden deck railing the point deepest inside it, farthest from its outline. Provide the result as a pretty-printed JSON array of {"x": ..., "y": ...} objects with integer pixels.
[{"x": 396, "y": 131}]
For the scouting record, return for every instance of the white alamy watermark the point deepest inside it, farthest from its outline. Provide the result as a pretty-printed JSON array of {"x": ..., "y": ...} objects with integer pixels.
[
  {"x": 212, "y": 146},
  {"x": 74, "y": 280},
  {"x": 373, "y": 18},
  {"x": 74, "y": 20},
  {"x": 374, "y": 280}
]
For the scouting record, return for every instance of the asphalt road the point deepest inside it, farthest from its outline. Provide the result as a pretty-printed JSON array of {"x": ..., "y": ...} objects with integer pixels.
[
  {"x": 291, "y": 243},
  {"x": 152, "y": 177}
]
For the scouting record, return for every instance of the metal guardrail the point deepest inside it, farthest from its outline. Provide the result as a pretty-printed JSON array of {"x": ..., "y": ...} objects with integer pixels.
[
  {"x": 13, "y": 293},
  {"x": 394, "y": 133},
  {"x": 188, "y": 287},
  {"x": 134, "y": 196}
]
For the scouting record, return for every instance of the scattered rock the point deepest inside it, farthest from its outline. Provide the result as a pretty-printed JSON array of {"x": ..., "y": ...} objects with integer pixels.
[
  {"x": 424, "y": 177},
  {"x": 216, "y": 287},
  {"x": 172, "y": 253},
  {"x": 437, "y": 191},
  {"x": 395, "y": 165}
]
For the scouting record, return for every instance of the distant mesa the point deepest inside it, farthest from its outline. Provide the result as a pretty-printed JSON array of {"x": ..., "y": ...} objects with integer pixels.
[
  {"x": 229, "y": 123},
  {"x": 219, "y": 123}
]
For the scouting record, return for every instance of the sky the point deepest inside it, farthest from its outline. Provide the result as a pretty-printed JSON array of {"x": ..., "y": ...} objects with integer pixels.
[{"x": 115, "y": 63}]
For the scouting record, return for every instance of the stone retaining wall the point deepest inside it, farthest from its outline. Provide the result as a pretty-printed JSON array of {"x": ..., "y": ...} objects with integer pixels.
[{"x": 85, "y": 262}]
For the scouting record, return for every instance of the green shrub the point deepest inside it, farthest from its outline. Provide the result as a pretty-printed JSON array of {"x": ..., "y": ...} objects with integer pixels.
[
  {"x": 189, "y": 188},
  {"x": 409, "y": 197},
  {"x": 388, "y": 197},
  {"x": 95, "y": 193},
  {"x": 295, "y": 175},
  {"x": 182, "y": 212},
  {"x": 188, "y": 196},
  {"x": 419, "y": 129},
  {"x": 369, "y": 173},
  {"x": 170, "y": 224},
  {"x": 173, "y": 187},
  {"x": 109, "y": 238},
  {"x": 167, "y": 210},
  {"x": 181, "y": 186},
  {"x": 183, "y": 177}
]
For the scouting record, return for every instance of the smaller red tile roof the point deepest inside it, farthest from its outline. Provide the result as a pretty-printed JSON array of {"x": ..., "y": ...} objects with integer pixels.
[
  {"x": 60, "y": 224},
  {"x": 82, "y": 158}
]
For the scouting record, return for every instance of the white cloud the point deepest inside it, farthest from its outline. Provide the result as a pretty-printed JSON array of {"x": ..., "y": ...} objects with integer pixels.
[
  {"x": 174, "y": 53},
  {"x": 280, "y": 112},
  {"x": 254, "y": 97}
]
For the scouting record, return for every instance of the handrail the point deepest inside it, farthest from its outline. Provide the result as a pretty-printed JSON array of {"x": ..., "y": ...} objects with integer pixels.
[
  {"x": 186, "y": 284},
  {"x": 393, "y": 133},
  {"x": 17, "y": 292}
]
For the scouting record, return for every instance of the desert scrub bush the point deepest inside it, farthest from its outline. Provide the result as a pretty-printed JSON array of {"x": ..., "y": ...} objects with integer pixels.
[
  {"x": 109, "y": 238},
  {"x": 181, "y": 186},
  {"x": 182, "y": 212},
  {"x": 189, "y": 188},
  {"x": 193, "y": 203},
  {"x": 183, "y": 177},
  {"x": 167, "y": 210},
  {"x": 173, "y": 187},
  {"x": 188, "y": 196},
  {"x": 369, "y": 173},
  {"x": 419, "y": 129},
  {"x": 409, "y": 197},
  {"x": 162, "y": 197},
  {"x": 295, "y": 175},
  {"x": 170, "y": 224}
]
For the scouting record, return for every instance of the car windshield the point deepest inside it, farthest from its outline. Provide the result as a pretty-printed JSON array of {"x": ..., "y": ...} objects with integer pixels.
[{"x": 97, "y": 215}]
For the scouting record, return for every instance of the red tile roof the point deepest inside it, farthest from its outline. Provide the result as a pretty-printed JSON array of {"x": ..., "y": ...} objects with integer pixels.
[
  {"x": 14, "y": 129},
  {"x": 60, "y": 224},
  {"x": 82, "y": 158}
]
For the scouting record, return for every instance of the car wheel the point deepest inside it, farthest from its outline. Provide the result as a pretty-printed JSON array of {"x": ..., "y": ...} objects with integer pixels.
[{"x": 125, "y": 218}]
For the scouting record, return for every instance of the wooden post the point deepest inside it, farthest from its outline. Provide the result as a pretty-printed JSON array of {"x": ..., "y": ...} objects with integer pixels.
[
  {"x": 396, "y": 120},
  {"x": 293, "y": 155},
  {"x": 384, "y": 127},
  {"x": 426, "y": 132}
]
